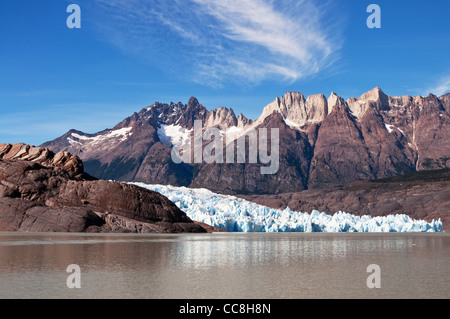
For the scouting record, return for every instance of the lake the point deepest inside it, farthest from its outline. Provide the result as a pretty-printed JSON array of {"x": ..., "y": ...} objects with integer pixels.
[{"x": 225, "y": 265}]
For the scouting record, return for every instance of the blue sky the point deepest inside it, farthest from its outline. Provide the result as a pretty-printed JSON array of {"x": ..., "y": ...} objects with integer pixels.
[{"x": 237, "y": 53}]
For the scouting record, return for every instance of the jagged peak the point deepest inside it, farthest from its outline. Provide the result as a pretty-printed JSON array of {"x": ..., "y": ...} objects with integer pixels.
[
  {"x": 222, "y": 117},
  {"x": 377, "y": 89},
  {"x": 375, "y": 94},
  {"x": 334, "y": 95},
  {"x": 193, "y": 101},
  {"x": 294, "y": 94},
  {"x": 334, "y": 100},
  {"x": 296, "y": 109},
  {"x": 224, "y": 110}
]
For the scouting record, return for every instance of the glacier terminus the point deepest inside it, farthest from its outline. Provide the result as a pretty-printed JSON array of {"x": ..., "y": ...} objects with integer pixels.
[{"x": 234, "y": 214}]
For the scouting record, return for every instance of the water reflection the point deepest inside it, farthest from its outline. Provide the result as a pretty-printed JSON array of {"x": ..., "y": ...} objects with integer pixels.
[{"x": 224, "y": 265}]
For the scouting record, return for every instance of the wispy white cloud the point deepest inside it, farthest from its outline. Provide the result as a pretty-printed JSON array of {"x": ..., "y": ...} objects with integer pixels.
[
  {"x": 443, "y": 87},
  {"x": 215, "y": 41}
]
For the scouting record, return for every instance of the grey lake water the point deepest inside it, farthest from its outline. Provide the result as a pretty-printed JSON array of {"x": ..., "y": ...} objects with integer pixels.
[{"x": 225, "y": 265}]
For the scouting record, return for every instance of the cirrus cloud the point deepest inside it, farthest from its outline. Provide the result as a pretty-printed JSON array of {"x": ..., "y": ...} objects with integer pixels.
[
  {"x": 215, "y": 41},
  {"x": 442, "y": 88}
]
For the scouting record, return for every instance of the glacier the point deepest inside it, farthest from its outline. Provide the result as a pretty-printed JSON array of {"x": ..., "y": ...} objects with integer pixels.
[{"x": 234, "y": 214}]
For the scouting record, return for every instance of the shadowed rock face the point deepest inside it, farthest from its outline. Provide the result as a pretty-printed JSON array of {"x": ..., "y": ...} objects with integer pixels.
[{"x": 43, "y": 191}]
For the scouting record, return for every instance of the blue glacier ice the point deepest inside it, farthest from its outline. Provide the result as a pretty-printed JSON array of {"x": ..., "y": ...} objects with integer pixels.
[{"x": 238, "y": 215}]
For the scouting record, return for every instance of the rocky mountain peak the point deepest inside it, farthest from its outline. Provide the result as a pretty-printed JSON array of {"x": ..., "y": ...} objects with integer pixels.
[
  {"x": 296, "y": 110},
  {"x": 333, "y": 101},
  {"x": 193, "y": 111},
  {"x": 373, "y": 95},
  {"x": 193, "y": 102},
  {"x": 316, "y": 108},
  {"x": 221, "y": 117},
  {"x": 242, "y": 121},
  {"x": 376, "y": 97},
  {"x": 292, "y": 99}
]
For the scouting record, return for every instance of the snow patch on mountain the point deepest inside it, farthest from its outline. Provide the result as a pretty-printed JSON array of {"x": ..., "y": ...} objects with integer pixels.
[
  {"x": 238, "y": 215},
  {"x": 292, "y": 124},
  {"x": 119, "y": 135},
  {"x": 171, "y": 135},
  {"x": 391, "y": 128}
]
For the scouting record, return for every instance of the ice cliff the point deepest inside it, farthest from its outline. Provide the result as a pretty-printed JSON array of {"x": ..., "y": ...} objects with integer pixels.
[{"x": 238, "y": 215}]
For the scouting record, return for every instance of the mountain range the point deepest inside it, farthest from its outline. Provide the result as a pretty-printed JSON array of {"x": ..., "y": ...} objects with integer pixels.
[{"x": 324, "y": 143}]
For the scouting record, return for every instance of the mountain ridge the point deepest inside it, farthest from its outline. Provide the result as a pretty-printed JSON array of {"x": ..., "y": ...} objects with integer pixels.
[{"x": 326, "y": 142}]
